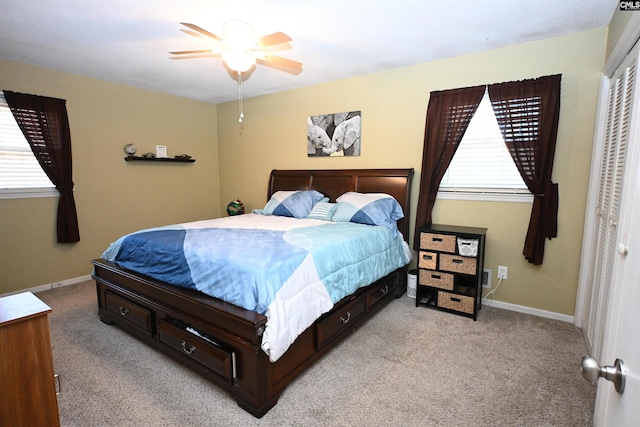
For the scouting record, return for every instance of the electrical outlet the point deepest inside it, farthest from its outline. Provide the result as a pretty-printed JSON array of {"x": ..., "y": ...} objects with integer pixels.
[{"x": 502, "y": 272}]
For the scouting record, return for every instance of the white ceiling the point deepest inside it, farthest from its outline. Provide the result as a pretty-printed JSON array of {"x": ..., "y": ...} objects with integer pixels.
[{"x": 128, "y": 41}]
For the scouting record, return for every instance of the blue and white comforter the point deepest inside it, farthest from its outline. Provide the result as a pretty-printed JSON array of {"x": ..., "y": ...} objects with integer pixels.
[{"x": 291, "y": 270}]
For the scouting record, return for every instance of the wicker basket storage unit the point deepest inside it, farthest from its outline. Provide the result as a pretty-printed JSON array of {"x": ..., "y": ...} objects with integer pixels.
[{"x": 450, "y": 267}]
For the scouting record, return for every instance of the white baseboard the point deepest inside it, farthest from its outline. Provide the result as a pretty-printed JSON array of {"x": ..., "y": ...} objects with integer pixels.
[
  {"x": 52, "y": 285},
  {"x": 528, "y": 310}
]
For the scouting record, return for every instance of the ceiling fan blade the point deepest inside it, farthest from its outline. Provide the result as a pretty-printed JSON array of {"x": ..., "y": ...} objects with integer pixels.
[
  {"x": 277, "y": 48},
  {"x": 195, "y": 34},
  {"x": 189, "y": 52},
  {"x": 282, "y": 64},
  {"x": 202, "y": 31},
  {"x": 273, "y": 39}
]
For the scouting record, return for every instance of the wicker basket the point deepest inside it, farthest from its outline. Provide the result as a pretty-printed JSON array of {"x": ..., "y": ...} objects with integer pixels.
[
  {"x": 438, "y": 242},
  {"x": 458, "y": 264},
  {"x": 455, "y": 302},
  {"x": 428, "y": 260},
  {"x": 436, "y": 279}
]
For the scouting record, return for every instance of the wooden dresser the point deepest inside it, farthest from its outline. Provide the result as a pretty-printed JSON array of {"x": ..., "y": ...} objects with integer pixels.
[{"x": 27, "y": 383}]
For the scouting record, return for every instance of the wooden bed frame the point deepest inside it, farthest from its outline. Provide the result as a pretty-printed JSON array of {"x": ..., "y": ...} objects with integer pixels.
[{"x": 229, "y": 352}]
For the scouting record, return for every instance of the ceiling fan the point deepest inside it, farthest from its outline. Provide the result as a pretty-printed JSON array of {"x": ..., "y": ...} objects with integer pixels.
[{"x": 240, "y": 49}]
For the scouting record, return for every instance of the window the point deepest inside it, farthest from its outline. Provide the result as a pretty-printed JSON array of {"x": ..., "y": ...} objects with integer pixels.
[
  {"x": 482, "y": 168},
  {"x": 20, "y": 173}
]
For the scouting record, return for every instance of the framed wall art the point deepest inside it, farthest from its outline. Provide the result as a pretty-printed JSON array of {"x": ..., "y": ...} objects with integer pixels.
[{"x": 334, "y": 135}]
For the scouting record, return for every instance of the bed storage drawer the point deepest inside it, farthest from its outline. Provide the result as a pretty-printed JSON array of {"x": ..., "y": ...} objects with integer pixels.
[
  {"x": 134, "y": 314},
  {"x": 340, "y": 320},
  {"x": 381, "y": 290},
  {"x": 213, "y": 357}
]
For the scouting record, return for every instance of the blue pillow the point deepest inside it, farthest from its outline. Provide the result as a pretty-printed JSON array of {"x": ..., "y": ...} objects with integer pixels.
[
  {"x": 369, "y": 208},
  {"x": 323, "y": 210},
  {"x": 296, "y": 204}
]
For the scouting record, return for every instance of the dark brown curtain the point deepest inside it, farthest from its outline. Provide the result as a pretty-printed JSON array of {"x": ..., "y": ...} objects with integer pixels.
[
  {"x": 528, "y": 112},
  {"x": 45, "y": 125},
  {"x": 448, "y": 116}
]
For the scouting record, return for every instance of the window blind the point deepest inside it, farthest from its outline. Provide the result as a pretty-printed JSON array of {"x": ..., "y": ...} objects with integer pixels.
[
  {"x": 482, "y": 163},
  {"x": 19, "y": 169}
]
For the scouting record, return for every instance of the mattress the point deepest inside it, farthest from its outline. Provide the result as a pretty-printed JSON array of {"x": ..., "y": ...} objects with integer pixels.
[{"x": 291, "y": 270}]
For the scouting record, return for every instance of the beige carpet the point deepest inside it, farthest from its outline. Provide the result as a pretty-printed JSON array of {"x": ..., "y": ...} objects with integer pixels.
[{"x": 407, "y": 366}]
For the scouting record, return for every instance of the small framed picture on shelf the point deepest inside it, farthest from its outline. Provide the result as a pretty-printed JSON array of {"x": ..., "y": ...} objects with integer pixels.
[{"x": 161, "y": 151}]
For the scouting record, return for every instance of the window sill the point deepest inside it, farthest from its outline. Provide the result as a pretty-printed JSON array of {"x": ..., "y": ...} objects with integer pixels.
[
  {"x": 27, "y": 193},
  {"x": 485, "y": 197}
]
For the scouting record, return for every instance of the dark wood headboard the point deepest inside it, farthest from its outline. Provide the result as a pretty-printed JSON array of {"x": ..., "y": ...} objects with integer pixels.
[{"x": 335, "y": 182}]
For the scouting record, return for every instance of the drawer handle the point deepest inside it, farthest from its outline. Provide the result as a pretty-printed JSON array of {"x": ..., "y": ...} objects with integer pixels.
[
  {"x": 454, "y": 299},
  {"x": 457, "y": 261},
  {"x": 427, "y": 257},
  {"x": 189, "y": 350},
  {"x": 58, "y": 385},
  {"x": 437, "y": 239},
  {"x": 436, "y": 276},
  {"x": 124, "y": 311},
  {"x": 346, "y": 319},
  {"x": 384, "y": 290}
]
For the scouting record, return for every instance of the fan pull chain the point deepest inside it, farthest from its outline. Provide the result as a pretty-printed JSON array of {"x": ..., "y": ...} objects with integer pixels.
[{"x": 240, "y": 107}]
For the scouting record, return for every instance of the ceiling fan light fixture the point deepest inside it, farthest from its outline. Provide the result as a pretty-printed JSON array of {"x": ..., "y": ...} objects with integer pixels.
[
  {"x": 241, "y": 50},
  {"x": 238, "y": 60}
]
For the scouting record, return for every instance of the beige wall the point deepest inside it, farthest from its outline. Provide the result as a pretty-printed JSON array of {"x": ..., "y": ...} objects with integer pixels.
[
  {"x": 393, "y": 105},
  {"x": 113, "y": 197}
]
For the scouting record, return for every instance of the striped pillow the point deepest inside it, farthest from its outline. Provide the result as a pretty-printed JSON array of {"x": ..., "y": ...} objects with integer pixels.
[{"x": 323, "y": 210}]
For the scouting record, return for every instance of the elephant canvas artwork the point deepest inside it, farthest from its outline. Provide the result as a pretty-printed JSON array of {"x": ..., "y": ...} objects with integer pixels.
[{"x": 335, "y": 134}]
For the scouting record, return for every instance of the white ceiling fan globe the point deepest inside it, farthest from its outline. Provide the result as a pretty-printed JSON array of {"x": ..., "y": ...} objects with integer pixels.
[
  {"x": 238, "y": 60},
  {"x": 239, "y": 37}
]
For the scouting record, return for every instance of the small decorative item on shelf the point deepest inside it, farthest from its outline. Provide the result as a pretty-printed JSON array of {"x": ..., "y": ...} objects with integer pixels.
[
  {"x": 149, "y": 155},
  {"x": 130, "y": 149},
  {"x": 183, "y": 157},
  {"x": 235, "y": 207},
  {"x": 161, "y": 151}
]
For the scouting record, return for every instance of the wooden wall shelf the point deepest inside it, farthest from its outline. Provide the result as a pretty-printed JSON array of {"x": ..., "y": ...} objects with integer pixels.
[{"x": 157, "y": 159}]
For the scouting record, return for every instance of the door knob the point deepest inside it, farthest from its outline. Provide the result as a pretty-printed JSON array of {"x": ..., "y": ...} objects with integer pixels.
[
  {"x": 622, "y": 249},
  {"x": 592, "y": 371}
]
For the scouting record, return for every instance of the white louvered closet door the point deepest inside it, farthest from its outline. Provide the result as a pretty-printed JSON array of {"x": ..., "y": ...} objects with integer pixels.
[{"x": 609, "y": 198}]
